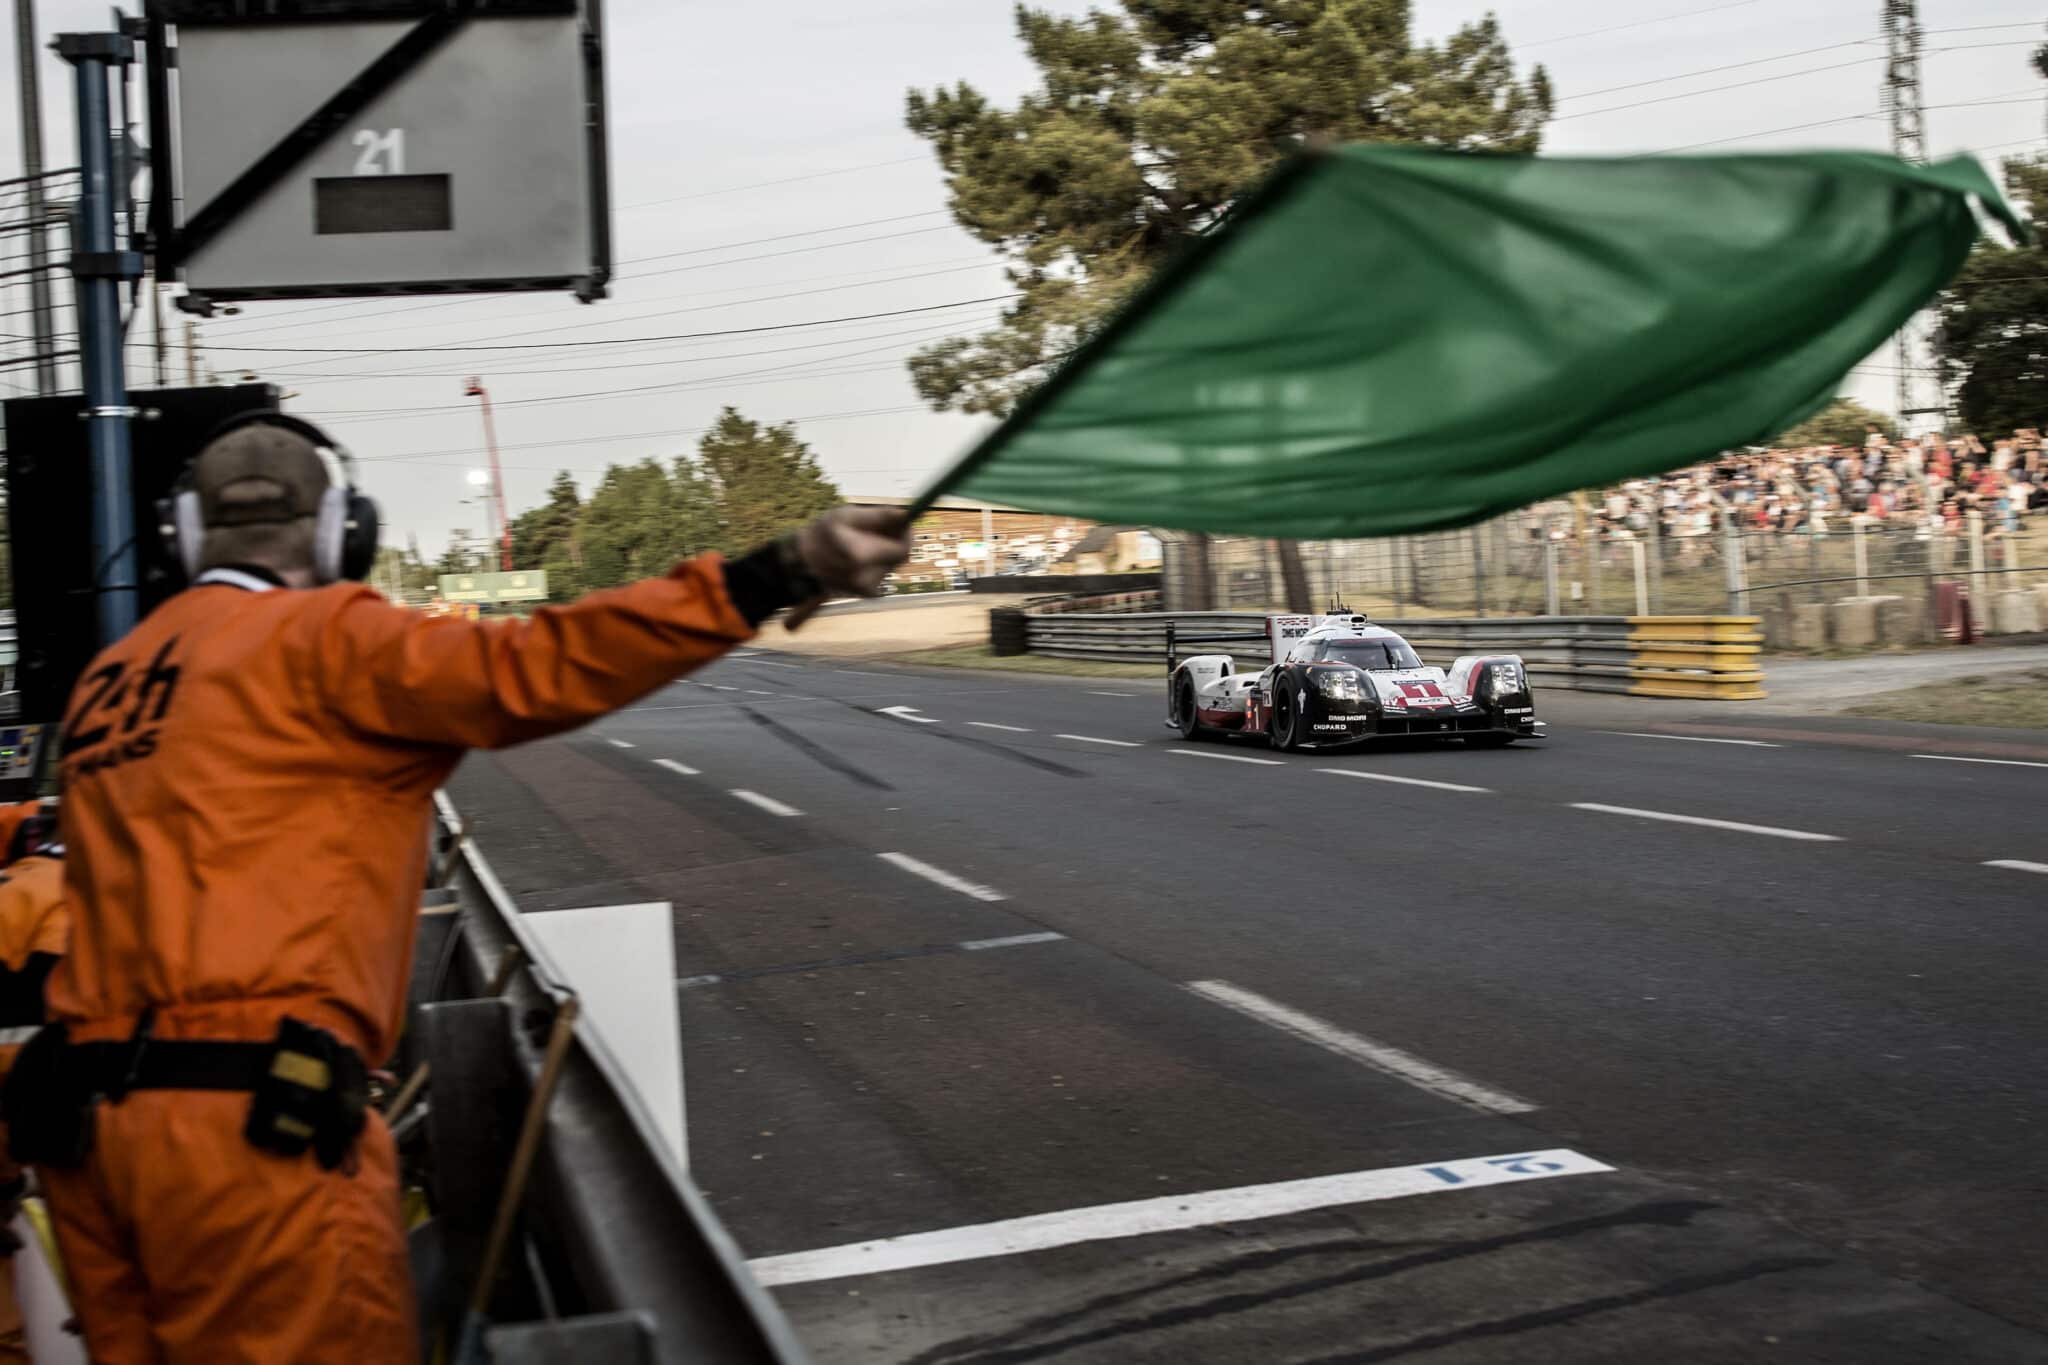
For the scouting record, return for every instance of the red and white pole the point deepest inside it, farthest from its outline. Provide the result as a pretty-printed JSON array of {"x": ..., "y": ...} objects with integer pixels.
[{"x": 475, "y": 389}]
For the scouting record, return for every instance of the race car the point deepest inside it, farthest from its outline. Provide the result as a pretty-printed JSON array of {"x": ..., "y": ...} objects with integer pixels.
[{"x": 1339, "y": 679}]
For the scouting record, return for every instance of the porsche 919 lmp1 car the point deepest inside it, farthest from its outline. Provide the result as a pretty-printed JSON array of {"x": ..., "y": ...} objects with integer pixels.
[{"x": 1339, "y": 679}]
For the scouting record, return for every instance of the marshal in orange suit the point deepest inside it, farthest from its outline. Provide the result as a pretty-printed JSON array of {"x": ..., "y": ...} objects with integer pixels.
[{"x": 247, "y": 780}]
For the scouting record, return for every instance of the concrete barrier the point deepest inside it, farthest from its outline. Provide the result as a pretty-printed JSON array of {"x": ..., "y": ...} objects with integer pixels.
[
  {"x": 1810, "y": 626},
  {"x": 2015, "y": 611},
  {"x": 1852, "y": 622}
]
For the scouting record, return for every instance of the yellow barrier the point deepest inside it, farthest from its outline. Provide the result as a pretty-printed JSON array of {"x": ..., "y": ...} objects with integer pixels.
[{"x": 1704, "y": 658}]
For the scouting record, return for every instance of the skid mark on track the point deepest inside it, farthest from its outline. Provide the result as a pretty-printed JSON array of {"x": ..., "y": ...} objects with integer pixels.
[
  {"x": 815, "y": 751},
  {"x": 1027, "y": 1342}
]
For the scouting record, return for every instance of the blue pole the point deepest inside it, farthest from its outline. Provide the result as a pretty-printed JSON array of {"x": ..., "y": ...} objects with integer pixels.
[{"x": 99, "y": 264}]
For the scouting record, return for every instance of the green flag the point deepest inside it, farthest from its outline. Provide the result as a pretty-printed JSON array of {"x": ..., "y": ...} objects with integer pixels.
[{"x": 1381, "y": 340}]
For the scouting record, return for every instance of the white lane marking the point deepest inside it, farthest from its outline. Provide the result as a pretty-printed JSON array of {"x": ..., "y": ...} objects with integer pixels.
[
  {"x": 908, "y": 713},
  {"x": 982, "y": 945},
  {"x": 620, "y": 743},
  {"x": 1112, "y": 694},
  {"x": 745, "y": 654},
  {"x": 720, "y": 687},
  {"x": 685, "y": 769},
  {"x": 769, "y": 663},
  {"x": 991, "y": 725},
  {"x": 767, "y": 803},
  {"x": 1167, "y": 1213},
  {"x": 942, "y": 877},
  {"x": 1381, "y": 1057},
  {"x": 1738, "y": 826},
  {"x": 708, "y": 979},
  {"x": 1404, "y": 781},
  {"x": 2018, "y": 865},
  {"x": 1692, "y": 739},
  {"x": 1090, "y": 739},
  {"x": 757, "y": 692},
  {"x": 2002, "y": 762},
  {"x": 1233, "y": 758}
]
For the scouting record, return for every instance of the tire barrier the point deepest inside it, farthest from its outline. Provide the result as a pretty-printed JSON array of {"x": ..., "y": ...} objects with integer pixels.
[{"x": 1703, "y": 658}]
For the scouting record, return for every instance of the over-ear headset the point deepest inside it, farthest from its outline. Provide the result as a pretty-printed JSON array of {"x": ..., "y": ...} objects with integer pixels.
[{"x": 344, "y": 529}]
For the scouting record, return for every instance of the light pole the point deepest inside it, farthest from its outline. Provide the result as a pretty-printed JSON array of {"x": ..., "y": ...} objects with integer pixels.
[
  {"x": 480, "y": 480},
  {"x": 474, "y": 388}
]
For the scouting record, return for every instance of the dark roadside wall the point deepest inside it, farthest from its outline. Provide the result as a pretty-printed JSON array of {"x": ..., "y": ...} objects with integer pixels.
[{"x": 1067, "y": 583}]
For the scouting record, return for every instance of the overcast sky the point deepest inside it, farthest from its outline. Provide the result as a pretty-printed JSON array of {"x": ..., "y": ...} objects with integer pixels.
[{"x": 733, "y": 123}]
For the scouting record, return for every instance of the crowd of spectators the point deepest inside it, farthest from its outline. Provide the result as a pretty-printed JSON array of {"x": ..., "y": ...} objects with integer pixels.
[{"x": 1927, "y": 485}]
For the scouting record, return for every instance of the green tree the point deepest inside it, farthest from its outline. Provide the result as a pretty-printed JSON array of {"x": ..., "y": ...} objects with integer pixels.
[
  {"x": 1147, "y": 123},
  {"x": 764, "y": 479},
  {"x": 536, "y": 531},
  {"x": 465, "y": 553},
  {"x": 1994, "y": 319},
  {"x": 1844, "y": 422}
]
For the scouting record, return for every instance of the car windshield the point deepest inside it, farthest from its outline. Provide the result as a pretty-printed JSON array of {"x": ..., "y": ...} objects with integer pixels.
[{"x": 1373, "y": 653}]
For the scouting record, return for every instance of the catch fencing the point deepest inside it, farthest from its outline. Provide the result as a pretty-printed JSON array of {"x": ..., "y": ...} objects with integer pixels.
[
  {"x": 1552, "y": 560},
  {"x": 1700, "y": 657}
]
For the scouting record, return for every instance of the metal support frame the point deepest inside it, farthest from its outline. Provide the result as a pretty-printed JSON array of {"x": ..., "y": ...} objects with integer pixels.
[
  {"x": 1903, "y": 105},
  {"x": 100, "y": 267},
  {"x": 42, "y": 315}
]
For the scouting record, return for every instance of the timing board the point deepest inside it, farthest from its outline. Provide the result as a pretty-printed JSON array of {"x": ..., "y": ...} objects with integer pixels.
[{"x": 336, "y": 148}]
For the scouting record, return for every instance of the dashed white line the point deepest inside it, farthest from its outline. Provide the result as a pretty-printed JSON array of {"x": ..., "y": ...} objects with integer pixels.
[
  {"x": 1232, "y": 758},
  {"x": 1391, "y": 1061},
  {"x": 2001, "y": 762},
  {"x": 942, "y": 877},
  {"x": 757, "y": 692},
  {"x": 770, "y": 663},
  {"x": 1738, "y": 826},
  {"x": 2018, "y": 865},
  {"x": 1090, "y": 739},
  {"x": 767, "y": 803},
  {"x": 1404, "y": 781},
  {"x": 1166, "y": 1213},
  {"x": 620, "y": 743},
  {"x": 720, "y": 687},
  {"x": 982, "y": 945},
  {"x": 1112, "y": 694},
  {"x": 908, "y": 713},
  {"x": 991, "y": 725},
  {"x": 1694, "y": 739},
  {"x": 685, "y": 769}
]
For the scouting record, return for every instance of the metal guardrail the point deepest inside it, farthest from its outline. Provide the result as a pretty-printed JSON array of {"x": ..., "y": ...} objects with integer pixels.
[
  {"x": 1701, "y": 657},
  {"x": 628, "y": 1262}
]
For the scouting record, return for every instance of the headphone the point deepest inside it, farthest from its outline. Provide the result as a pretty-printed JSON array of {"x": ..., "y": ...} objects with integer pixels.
[{"x": 344, "y": 529}]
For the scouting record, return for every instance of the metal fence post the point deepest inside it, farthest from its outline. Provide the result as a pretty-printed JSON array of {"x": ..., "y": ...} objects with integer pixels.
[
  {"x": 1478, "y": 573},
  {"x": 1862, "y": 548},
  {"x": 1973, "y": 520},
  {"x": 100, "y": 264},
  {"x": 1738, "y": 571},
  {"x": 1642, "y": 578},
  {"x": 1549, "y": 571}
]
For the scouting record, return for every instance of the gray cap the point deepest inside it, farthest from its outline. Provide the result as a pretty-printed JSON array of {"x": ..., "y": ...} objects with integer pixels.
[{"x": 258, "y": 474}]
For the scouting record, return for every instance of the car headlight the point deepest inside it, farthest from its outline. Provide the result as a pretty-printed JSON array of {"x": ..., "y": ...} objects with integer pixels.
[
  {"x": 1341, "y": 684},
  {"x": 1508, "y": 678}
]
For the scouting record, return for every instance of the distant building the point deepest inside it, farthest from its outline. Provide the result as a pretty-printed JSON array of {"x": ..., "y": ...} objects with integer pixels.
[{"x": 962, "y": 538}]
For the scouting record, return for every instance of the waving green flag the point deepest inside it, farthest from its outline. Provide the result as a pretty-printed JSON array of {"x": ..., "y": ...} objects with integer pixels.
[{"x": 1383, "y": 340}]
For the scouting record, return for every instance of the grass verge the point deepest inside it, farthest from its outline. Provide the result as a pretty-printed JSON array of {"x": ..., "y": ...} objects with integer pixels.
[
  {"x": 977, "y": 656},
  {"x": 2015, "y": 701}
]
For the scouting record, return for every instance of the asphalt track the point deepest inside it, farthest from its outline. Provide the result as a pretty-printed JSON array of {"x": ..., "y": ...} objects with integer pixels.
[{"x": 1126, "y": 1049}]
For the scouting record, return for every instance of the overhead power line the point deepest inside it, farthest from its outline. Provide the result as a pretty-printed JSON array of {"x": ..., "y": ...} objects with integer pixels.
[
  {"x": 1638, "y": 23},
  {"x": 612, "y": 341}
]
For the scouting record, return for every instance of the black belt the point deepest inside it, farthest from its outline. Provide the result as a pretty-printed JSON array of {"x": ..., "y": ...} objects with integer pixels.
[{"x": 115, "y": 1068}]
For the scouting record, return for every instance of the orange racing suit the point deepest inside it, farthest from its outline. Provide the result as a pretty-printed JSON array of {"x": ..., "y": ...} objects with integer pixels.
[
  {"x": 248, "y": 778},
  {"x": 34, "y": 926}
]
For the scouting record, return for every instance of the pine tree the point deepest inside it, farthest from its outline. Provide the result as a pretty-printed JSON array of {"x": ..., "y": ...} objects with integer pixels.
[{"x": 1146, "y": 124}]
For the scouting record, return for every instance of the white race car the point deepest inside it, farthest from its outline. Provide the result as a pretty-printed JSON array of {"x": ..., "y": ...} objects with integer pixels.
[{"x": 1339, "y": 679}]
